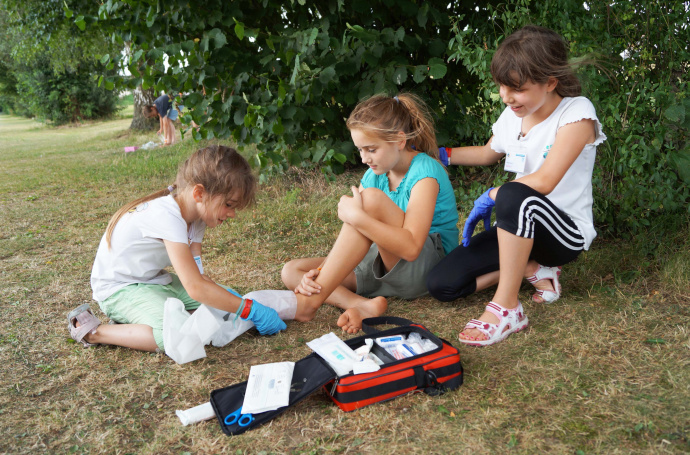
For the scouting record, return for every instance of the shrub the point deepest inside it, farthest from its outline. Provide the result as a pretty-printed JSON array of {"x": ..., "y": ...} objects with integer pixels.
[
  {"x": 64, "y": 98},
  {"x": 283, "y": 76}
]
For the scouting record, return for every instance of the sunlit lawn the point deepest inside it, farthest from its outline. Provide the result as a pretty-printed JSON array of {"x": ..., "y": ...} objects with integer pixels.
[{"x": 606, "y": 369}]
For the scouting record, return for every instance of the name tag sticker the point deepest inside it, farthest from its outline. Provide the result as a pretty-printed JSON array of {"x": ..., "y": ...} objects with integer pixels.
[{"x": 515, "y": 161}]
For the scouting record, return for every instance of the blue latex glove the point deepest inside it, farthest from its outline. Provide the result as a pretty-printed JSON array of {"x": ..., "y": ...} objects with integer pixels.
[
  {"x": 265, "y": 319},
  {"x": 481, "y": 211},
  {"x": 443, "y": 156}
]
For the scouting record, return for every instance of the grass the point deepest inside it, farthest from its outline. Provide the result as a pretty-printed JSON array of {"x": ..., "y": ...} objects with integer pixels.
[{"x": 606, "y": 369}]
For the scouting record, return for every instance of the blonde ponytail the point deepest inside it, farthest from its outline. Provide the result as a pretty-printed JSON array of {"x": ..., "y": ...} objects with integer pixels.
[{"x": 386, "y": 117}]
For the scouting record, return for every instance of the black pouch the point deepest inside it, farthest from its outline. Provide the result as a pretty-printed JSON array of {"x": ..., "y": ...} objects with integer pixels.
[{"x": 309, "y": 375}]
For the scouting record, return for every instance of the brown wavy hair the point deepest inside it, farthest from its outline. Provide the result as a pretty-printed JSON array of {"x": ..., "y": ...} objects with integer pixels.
[
  {"x": 384, "y": 117},
  {"x": 221, "y": 171},
  {"x": 535, "y": 54}
]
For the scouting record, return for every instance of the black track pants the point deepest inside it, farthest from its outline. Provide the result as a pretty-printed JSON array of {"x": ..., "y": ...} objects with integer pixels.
[{"x": 524, "y": 212}]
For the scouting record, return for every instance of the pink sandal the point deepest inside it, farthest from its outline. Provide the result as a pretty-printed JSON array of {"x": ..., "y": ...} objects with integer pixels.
[
  {"x": 87, "y": 323},
  {"x": 546, "y": 273},
  {"x": 509, "y": 321}
]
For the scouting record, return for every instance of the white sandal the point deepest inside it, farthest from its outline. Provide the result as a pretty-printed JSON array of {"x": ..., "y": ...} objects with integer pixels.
[
  {"x": 546, "y": 273},
  {"x": 88, "y": 323},
  {"x": 509, "y": 321}
]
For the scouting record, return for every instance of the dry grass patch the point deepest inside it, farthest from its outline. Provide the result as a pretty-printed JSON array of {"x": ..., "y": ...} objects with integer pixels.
[{"x": 606, "y": 369}]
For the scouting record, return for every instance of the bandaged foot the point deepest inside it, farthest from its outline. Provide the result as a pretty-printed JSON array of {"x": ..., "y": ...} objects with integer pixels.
[{"x": 284, "y": 302}]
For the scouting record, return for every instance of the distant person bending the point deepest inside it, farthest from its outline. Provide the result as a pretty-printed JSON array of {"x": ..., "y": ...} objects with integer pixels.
[{"x": 167, "y": 114}]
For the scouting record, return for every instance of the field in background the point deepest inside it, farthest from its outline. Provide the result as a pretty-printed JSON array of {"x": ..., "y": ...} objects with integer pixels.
[{"x": 606, "y": 369}]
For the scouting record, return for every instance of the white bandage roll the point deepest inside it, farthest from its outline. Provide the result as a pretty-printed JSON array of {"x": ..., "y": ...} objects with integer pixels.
[{"x": 196, "y": 414}]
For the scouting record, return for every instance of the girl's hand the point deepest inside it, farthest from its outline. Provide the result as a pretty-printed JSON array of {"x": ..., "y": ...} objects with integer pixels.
[
  {"x": 350, "y": 206},
  {"x": 481, "y": 211},
  {"x": 307, "y": 285}
]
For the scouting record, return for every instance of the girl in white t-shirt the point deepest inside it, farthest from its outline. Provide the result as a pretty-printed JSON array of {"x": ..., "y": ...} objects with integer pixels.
[
  {"x": 166, "y": 228},
  {"x": 548, "y": 134}
]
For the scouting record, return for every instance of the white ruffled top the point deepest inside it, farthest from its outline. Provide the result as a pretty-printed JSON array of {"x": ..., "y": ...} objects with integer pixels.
[{"x": 573, "y": 194}]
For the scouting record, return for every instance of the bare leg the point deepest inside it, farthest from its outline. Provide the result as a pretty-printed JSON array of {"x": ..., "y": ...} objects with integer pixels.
[
  {"x": 513, "y": 252},
  {"x": 164, "y": 122},
  {"x": 349, "y": 249},
  {"x": 342, "y": 297},
  {"x": 337, "y": 279},
  {"x": 134, "y": 336},
  {"x": 488, "y": 280},
  {"x": 171, "y": 131}
]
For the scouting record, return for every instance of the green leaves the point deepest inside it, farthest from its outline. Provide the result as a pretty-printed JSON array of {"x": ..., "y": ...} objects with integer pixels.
[
  {"x": 284, "y": 76},
  {"x": 327, "y": 75},
  {"x": 239, "y": 31},
  {"x": 400, "y": 75},
  {"x": 80, "y": 23},
  {"x": 217, "y": 37},
  {"x": 420, "y": 72},
  {"x": 437, "y": 68}
]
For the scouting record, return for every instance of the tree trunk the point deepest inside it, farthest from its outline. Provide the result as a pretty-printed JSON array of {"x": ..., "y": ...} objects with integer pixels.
[{"x": 142, "y": 98}]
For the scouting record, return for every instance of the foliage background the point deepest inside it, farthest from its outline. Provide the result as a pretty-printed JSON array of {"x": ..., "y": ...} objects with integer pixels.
[
  {"x": 47, "y": 65},
  {"x": 282, "y": 78},
  {"x": 279, "y": 78}
]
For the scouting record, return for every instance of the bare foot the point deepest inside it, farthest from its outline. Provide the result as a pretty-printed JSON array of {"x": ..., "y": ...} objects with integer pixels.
[{"x": 351, "y": 320}]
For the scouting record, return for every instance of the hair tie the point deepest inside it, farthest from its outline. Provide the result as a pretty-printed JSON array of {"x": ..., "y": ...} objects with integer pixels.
[
  {"x": 396, "y": 99},
  {"x": 171, "y": 188}
]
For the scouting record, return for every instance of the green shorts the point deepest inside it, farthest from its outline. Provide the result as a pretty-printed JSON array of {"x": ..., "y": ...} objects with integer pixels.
[
  {"x": 142, "y": 303},
  {"x": 406, "y": 280}
]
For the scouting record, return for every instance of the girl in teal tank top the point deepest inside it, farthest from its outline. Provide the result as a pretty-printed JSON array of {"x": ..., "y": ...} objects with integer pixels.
[{"x": 399, "y": 222}]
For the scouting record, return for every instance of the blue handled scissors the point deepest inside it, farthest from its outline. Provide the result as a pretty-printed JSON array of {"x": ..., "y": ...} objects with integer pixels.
[{"x": 237, "y": 417}]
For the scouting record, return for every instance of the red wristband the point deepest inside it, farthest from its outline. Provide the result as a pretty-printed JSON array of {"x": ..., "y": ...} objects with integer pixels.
[
  {"x": 449, "y": 151},
  {"x": 247, "y": 308}
]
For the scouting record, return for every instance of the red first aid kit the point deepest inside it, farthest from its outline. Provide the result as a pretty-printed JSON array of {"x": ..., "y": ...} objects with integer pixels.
[{"x": 435, "y": 371}]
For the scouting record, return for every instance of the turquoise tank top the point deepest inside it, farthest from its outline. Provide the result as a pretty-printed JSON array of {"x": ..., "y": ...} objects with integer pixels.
[{"x": 445, "y": 220}]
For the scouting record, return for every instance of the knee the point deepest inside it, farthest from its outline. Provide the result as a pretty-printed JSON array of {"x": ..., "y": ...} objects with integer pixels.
[
  {"x": 510, "y": 197},
  {"x": 438, "y": 288},
  {"x": 372, "y": 198},
  {"x": 287, "y": 273},
  {"x": 442, "y": 289}
]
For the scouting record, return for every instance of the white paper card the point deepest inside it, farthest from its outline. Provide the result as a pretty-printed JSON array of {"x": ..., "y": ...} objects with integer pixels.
[{"x": 268, "y": 387}]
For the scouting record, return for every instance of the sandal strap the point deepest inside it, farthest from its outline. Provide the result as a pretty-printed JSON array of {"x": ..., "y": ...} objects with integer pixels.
[
  {"x": 510, "y": 321},
  {"x": 547, "y": 273},
  {"x": 501, "y": 312},
  {"x": 486, "y": 328},
  {"x": 497, "y": 310},
  {"x": 543, "y": 273},
  {"x": 548, "y": 295},
  {"x": 87, "y": 323}
]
